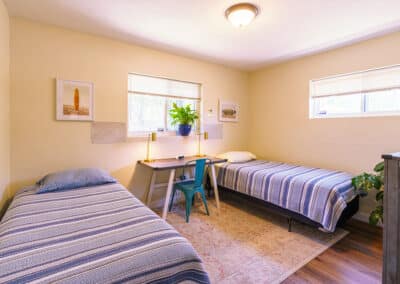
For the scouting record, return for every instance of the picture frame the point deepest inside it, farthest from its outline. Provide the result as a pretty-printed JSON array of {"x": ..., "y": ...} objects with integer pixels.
[
  {"x": 228, "y": 111},
  {"x": 75, "y": 100}
]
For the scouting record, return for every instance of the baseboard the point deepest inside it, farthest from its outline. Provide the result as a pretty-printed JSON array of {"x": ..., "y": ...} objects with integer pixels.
[
  {"x": 159, "y": 199},
  {"x": 364, "y": 217}
]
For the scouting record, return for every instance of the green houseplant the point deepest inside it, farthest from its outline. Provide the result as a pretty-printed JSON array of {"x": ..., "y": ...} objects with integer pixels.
[
  {"x": 366, "y": 182},
  {"x": 184, "y": 117}
]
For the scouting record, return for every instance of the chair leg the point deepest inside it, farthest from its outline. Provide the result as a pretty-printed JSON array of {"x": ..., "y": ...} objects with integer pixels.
[
  {"x": 188, "y": 200},
  {"x": 172, "y": 200},
  {"x": 203, "y": 197}
]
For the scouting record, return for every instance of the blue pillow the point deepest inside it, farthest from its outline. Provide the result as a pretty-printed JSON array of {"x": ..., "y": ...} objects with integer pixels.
[{"x": 71, "y": 179}]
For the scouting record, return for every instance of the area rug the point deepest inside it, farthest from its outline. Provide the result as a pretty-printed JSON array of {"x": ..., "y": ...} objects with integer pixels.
[{"x": 246, "y": 244}]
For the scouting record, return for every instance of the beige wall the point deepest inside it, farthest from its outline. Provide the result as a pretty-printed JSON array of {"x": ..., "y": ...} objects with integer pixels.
[
  {"x": 279, "y": 108},
  {"x": 274, "y": 106},
  {"x": 4, "y": 104},
  {"x": 40, "y": 53}
]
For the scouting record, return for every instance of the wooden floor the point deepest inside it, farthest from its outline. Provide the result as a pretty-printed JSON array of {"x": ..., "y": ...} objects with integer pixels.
[{"x": 355, "y": 259}]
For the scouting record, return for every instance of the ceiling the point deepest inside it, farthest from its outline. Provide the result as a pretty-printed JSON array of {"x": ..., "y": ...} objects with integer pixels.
[{"x": 284, "y": 29}]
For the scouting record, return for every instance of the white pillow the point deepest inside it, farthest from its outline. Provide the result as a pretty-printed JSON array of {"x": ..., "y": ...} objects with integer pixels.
[{"x": 237, "y": 156}]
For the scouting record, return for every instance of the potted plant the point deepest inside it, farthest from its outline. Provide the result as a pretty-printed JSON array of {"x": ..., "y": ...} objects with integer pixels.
[
  {"x": 184, "y": 117},
  {"x": 364, "y": 183}
]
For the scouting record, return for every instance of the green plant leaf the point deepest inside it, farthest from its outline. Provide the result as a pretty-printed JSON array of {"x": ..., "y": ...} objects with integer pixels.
[
  {"x": 182, "y": 115},
  {"x": 376, "y": 215},
  {"x": 375, "y": 181},
  {"x": 379, "y": 167},
  {"x": 373, "y": 218},
  {"x": 364, "y": 183},
  {"x": 379, "y": 196}
]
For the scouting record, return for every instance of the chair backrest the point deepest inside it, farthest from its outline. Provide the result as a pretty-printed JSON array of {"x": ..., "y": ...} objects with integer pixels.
[{"x": 200, "y": 165}]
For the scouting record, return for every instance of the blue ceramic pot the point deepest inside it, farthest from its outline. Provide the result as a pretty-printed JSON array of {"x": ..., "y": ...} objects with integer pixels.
[{"x": 184, "y": 129}]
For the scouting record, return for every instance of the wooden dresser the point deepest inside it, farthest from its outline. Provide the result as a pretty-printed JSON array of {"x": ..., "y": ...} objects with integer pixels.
[{"x": 391, "y": 218}]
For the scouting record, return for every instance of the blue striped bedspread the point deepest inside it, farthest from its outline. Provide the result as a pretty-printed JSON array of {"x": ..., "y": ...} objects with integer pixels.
[
  {"x": 321, "y": 195},
  {"x": 99, "y": 234}
]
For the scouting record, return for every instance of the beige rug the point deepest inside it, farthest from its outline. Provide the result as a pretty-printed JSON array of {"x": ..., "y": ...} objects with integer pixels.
[{"x": 247, "y": 244}]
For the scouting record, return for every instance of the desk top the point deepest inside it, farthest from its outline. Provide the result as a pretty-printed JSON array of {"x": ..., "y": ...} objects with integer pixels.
[{"x": 172, "y": 163}]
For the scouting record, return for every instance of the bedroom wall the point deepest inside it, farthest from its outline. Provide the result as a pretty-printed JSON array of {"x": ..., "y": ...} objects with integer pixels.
[
  {"x": 4, "y": 104},
  {"x": 40, "y": 53},
  {"x": 279, "y": 104}
]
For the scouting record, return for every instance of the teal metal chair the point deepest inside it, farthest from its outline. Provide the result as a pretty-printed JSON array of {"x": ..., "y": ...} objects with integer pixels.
[{"x": 189, "y": 188}]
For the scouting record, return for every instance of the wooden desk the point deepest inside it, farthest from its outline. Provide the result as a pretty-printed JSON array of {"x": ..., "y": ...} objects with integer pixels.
[{"x": 172, "y": 165}]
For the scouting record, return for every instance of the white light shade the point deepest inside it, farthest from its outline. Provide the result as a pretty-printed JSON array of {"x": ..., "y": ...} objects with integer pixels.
[{"x": 241, "y": 14}]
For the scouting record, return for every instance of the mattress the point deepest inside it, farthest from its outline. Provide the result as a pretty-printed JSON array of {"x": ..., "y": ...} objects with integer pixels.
[
  {"x": 318, "y": 194},
  {"x": 99, "y": 234}
]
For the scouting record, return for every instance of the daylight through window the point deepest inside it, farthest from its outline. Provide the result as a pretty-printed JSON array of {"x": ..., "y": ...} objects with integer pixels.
[
  {"x": 150, "y": 99},
  {"x": 367, "y": 93}
]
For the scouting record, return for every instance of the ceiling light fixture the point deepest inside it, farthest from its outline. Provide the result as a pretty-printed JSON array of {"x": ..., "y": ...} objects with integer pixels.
[{"x": 241, "y": 14}]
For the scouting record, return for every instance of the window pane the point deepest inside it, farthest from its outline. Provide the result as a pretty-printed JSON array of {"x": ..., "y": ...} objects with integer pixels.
[
  {"x": 180, "y": 103},
  {"x": 338, "y": 105},
  {"x": 145, "y": 113},
  {"x": 383, "y": 101}
]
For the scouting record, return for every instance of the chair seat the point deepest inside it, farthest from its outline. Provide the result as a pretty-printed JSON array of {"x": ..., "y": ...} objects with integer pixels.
[{"x": 187, "y": 186}]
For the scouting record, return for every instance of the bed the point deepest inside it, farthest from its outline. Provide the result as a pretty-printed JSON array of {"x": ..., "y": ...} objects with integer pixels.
[
  {"x": 98, "y": 234},
  {"x": 323, "y": 197}
]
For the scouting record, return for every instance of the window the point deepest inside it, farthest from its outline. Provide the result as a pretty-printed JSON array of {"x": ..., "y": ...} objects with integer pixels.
[
  {"x": 366, "y": 93},
  {"x": 151, "y": 98}
]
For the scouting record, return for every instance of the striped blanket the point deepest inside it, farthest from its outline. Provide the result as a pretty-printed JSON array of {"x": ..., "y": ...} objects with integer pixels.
[
  {"x": 96, "y": 234},
  {"x": 321, "y": 195}
]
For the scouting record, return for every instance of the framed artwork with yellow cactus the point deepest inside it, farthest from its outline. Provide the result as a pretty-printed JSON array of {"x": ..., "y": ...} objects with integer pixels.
[{"x": 75, "y": 100}]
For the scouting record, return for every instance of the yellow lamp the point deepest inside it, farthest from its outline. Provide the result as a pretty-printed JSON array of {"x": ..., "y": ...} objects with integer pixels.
[
  {"x": 151, "y": 137},
  {"x": 205, "y": 135}
]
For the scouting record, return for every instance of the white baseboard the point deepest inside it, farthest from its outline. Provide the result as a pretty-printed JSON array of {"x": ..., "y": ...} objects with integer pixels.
[
  {"x": 361, "y": 216},
  {"x": 159, "y": 198},
  {"x": 364, "y": 217}
]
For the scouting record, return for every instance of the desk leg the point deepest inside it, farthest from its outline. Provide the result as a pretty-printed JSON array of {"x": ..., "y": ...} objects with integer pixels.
[
  {"x": 168, "y": 195},
  {"x": 215, "y": 185},
  {"x": 151, "y": 188}
]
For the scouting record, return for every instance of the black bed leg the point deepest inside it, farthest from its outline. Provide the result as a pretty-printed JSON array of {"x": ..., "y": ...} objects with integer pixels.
[{"x": 290, "y": 224}]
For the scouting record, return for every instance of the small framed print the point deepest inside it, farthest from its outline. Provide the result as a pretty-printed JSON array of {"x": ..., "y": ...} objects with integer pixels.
[
  {"x": 228, "y": 111},
  {"x": 75, "y": 100}
]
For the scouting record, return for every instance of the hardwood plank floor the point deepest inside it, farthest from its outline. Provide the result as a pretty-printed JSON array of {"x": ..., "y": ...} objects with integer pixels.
[{"x": 355, "y": 259}]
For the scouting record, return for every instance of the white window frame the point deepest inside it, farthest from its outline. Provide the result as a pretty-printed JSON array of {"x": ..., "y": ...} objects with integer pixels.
[
  {"x": 197, "y": 126},
  {"x": 363, "y": 104}
]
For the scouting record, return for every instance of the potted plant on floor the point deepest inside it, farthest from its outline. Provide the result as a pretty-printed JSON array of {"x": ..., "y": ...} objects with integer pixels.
[
  {"x": 184, "y": 117},
  {"x": 364, "y": 183}
]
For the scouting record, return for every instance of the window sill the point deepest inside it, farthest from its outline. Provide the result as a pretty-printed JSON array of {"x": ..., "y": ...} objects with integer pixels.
[{"x": 362, "y": 115}]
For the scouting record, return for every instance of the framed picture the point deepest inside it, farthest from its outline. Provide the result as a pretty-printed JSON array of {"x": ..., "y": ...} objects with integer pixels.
[
  {"x": 75, "y": 100},
  {"x": 228, "y": 111}
]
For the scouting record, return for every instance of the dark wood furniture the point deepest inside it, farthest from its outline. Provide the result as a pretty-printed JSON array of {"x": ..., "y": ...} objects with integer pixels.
[
  {"x": 391, "y": 232},
  {"x": 172, "y": 165}
]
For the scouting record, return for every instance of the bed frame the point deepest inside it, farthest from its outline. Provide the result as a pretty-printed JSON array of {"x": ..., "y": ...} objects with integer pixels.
[{"x": 348, "y": 212}]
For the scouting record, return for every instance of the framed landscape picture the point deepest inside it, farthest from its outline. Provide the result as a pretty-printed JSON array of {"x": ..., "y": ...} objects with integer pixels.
[
  {"x": 228, "y": 111},
  {"x": 75, "y": 100}
]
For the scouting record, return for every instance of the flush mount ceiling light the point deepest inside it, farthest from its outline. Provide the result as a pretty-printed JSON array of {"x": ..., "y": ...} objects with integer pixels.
[{"x": 241, "y": 14}]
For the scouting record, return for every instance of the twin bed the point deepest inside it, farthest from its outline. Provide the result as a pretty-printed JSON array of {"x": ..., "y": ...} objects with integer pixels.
[
  {"x": 102, "y": 234},
  {"x": 316, "y": 196},
  {"x": 97, "y": 234}
]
